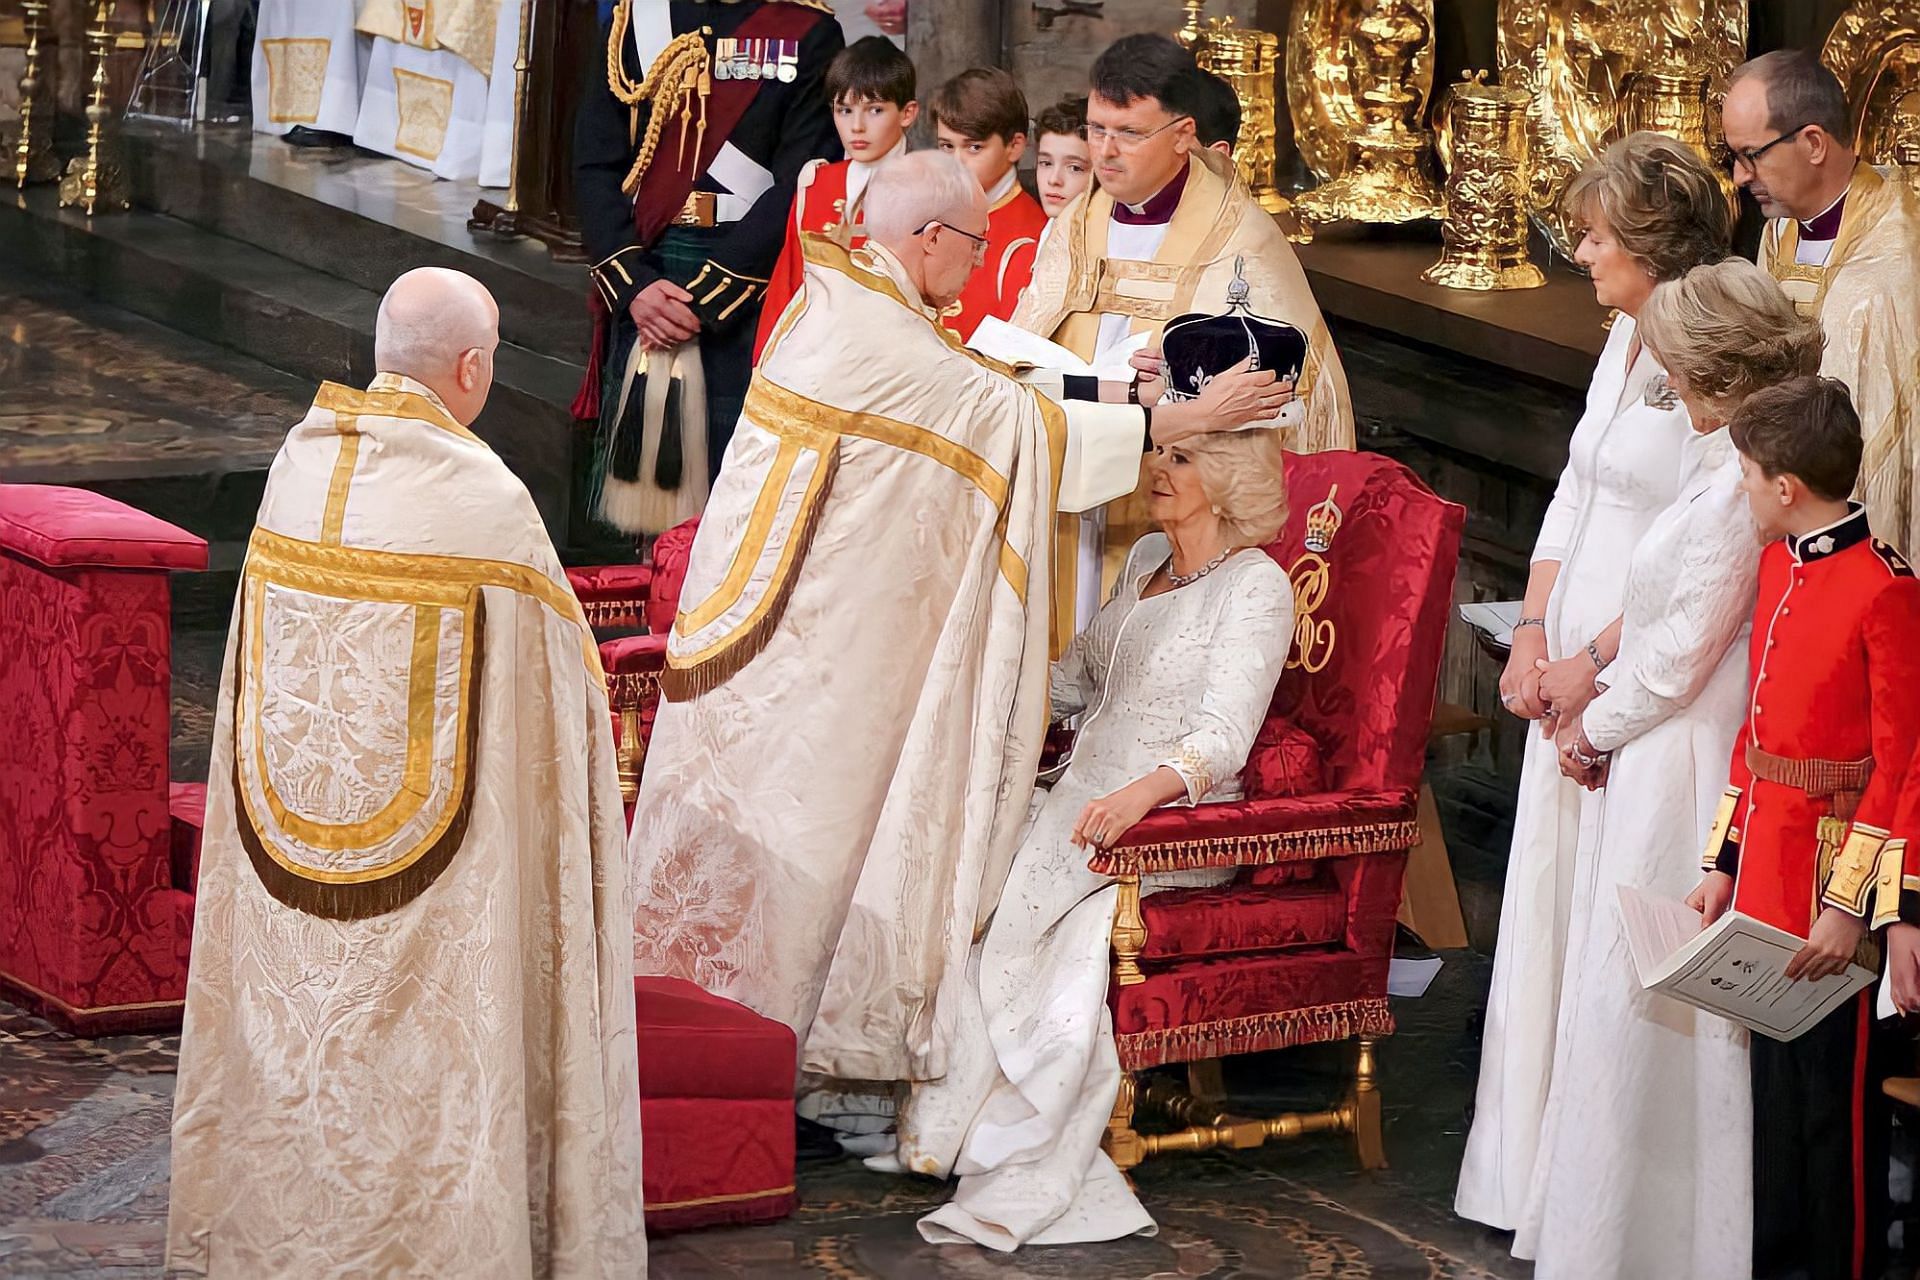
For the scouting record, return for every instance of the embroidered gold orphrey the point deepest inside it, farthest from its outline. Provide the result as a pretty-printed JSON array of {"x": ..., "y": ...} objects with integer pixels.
[{"x": 354, "y": 726}]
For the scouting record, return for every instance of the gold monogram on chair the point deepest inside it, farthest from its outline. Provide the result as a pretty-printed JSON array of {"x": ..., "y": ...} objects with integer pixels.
[{"x": 1314, "y": 637}]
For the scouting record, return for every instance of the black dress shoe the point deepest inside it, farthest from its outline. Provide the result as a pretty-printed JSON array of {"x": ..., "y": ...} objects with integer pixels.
[
  {"x": 814, "y": 1143},
  {"x": 301, "y": 136}
]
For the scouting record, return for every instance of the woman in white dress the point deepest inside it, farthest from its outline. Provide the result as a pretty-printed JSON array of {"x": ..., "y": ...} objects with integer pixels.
[
  {"x": 1645, "y": 1151},
  {"x": 1652, "y": 211},
  {"x": 1174, "y": 678}
]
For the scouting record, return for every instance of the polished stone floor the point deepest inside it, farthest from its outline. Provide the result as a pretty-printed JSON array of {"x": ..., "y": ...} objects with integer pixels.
[{"x": 83, "y": 1178}]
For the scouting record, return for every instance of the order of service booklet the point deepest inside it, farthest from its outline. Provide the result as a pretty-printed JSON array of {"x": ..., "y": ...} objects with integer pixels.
[{"x": 1735, "y": 967}]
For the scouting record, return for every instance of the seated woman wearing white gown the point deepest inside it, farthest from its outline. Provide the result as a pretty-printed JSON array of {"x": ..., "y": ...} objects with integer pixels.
[
  {"x": 1173, "y": 679},
  {"x": 1645, "y": 1145}
]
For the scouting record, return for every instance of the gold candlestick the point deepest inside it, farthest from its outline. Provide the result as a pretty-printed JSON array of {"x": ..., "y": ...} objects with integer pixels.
[
  {"x": 97, "y": 181},
  {"x": 33, "y": 157},
  {"x": 1484, "y": 235}
]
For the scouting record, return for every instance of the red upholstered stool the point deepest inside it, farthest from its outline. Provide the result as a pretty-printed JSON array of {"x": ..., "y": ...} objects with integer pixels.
[
  {"x": 93, "y": 930},
  {"x": 716, "y": 1108}
]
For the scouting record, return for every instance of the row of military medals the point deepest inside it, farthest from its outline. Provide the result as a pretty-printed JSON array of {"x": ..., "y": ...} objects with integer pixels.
[{"x": 756, "y": 59}]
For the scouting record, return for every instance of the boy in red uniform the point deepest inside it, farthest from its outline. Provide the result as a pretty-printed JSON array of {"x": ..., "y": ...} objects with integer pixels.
[
  {"x": 871, "y": 86},
  {"x": 981, "y": 117},
  {"x": 1801, "y": 840}
]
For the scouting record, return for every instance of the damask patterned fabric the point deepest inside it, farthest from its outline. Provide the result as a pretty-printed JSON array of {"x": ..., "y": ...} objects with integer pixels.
[
  {"x": 1200, "y": 924},
  {"x": 670, "y": 553},
  {"x": 1179, "y": 680},
  {"x": 93, "y": 933},
  {"x": 385, "y": 1072}
]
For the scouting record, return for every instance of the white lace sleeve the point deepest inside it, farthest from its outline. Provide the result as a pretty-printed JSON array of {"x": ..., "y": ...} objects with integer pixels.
[
  {"x": 1245, "y": 654},
  {"x": 1671, "y": 643}
]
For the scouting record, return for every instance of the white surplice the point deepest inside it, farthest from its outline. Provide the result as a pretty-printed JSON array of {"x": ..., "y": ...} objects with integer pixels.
[
  {"x": 308, "y": 66},
  {"x": 1624, "y": 468},
  {"x": 1182, "y": 679},
  {"x": 1645, "y": 1147}
]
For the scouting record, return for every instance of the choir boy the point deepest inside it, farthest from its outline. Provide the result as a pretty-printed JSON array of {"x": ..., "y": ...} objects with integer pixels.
[
  {"x": 980, "y": 116},
  {"x": 1063, "y": 166},
  {"x": 1802, "y": 837},
  {"x": 871, "y": 86}
]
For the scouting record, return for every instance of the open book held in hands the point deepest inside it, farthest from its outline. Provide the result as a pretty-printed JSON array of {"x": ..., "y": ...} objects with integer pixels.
[{"x": 1735, "y": 967}]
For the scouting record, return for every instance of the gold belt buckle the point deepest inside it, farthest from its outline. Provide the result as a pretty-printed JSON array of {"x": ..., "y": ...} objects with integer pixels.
[{"x": 697, "y": 212}]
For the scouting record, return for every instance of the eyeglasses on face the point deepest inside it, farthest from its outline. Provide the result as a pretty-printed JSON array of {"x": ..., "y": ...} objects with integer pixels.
[
  {"x": 1125, "y": 139},
  {"x": 1751, "y": 156},
  {"x": 979, "y": 242}
]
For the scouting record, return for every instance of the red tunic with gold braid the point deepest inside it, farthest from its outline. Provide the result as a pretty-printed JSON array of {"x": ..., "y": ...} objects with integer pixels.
[
  {"x": 819, "y": 205},
  {"x": 1831, "y": 722},
  {"x": 1014, "y": 224}
]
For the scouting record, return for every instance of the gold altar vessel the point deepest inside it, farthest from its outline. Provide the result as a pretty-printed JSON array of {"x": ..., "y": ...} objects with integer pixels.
[
  {"x": 1484, "y": 234},
  {"x": 1358, "y": 76},
  {"x": 1246, "y": 59},
  {"x": 1874, "y": 48},
  {"x": 1582, "y": 62}
]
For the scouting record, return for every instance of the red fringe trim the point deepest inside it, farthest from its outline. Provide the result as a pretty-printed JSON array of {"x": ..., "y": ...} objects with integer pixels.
[
  {"x": 612, "y": 613},
  {"x": 1260, "y": 849},
  {"x": 1255, "y": 1034}
]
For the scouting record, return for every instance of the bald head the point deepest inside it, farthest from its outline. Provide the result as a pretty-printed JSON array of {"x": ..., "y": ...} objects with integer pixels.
[
  {"x": 440, "y": 327},
  {"x": 928, "y": 210}
]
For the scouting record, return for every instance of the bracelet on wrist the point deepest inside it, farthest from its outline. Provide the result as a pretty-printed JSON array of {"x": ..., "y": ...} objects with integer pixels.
[
  {"x": 1531, "y": 622},
  {"x": 1593, "y": 651}
]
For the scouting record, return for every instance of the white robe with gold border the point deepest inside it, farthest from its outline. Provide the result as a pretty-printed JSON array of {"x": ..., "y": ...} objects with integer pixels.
[
  {"x": 308, "y": 66},
  {"x": 442, "y": 96},
  {"x": 409, "y": 1043},
  {"x": 1867, "y": 296},
  {"x": 862, "y": 648}
]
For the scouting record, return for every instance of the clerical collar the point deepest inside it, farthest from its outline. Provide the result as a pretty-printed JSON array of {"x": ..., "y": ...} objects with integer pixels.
[
  {"x": 1157, "y": 209},
  {"x": 1819, "y": 543},
  {"x": 1826, "y": 224}
]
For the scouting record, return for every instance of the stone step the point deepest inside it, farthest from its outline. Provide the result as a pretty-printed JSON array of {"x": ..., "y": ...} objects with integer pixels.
[
  {"x": 359, "y": 223},
  {"x": 285, "y": 314}
]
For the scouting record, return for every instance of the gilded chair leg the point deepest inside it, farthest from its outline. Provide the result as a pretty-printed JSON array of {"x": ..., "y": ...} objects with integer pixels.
[
  {"x": 1367, "y": 1134},
  {"x": 627, "y": 758},
  {"x": 1122, "y": 1143},
  {"x": 1129, "y": 933},
  {"x": 1205, "y": 1082}
]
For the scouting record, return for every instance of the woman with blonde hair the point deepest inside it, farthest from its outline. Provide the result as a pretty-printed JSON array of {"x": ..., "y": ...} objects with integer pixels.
[
  {"x": 1652, "y": 211},
  {"x": 1172, "y": 680},
  {"x": 1648, "y": 1109}
]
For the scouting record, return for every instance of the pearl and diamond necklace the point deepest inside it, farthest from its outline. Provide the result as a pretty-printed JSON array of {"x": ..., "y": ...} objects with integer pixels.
[{"x": 1185, "y": 579}]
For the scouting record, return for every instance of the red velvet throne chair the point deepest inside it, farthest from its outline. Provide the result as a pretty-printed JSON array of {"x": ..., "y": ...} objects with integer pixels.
[
  {"x": 96, "y": 848},
  {"x": 1295, "y": 949}
]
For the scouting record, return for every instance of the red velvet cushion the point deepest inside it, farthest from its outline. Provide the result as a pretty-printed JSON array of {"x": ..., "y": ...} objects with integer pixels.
[
  {"x": 696, "y": 1045},
  {"x": 613, "y": 595},
  {"x": 670, "y": 552},
  {"x": 1284, "y": 761},
  {"x": 709, "y": 1162},
  {"x": 62, "y": 527},
  {"x": 1242, "y": 918}
]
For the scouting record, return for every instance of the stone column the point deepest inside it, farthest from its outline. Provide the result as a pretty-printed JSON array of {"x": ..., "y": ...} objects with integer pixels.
[{"x": 945, "y": 37}]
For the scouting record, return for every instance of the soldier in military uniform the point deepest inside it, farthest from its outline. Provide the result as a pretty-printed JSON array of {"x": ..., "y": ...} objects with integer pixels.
[
  {"x": 1802, "y": 837},
  {"x": 687, "y": 147}
]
